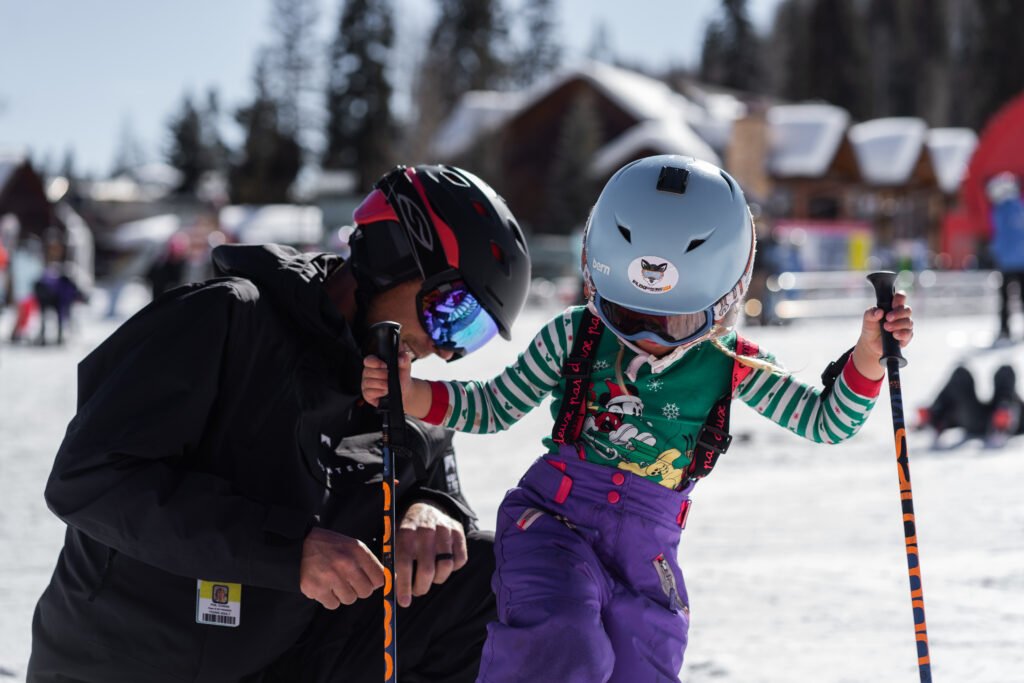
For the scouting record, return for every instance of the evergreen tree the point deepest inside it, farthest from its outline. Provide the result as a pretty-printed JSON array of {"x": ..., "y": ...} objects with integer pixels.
[
  {"x": 185, "y": 151},
  {"x": 837, "y": 56},
  {"x": 600, "y": 48},
  {"x": 195, "y": 146},
  {"x": 541, "y": 53},
  {"x": 993, "y": 59},
  {"x": 712, "y": 54},
  {"x": 67, "y": 167},
  {"x": 823, "y": 53},
  {"x": 215, "y": 150},
  {"x": 576, "y": 191},
  {"x": 731, "y": 51},
  {"x": 467, "y": 49},
  {"x": 360, "y": 127},
  {"x": 907, "y": 58},
  {"x": 129, "y": 154},
  {"x": 792, "y": 37},
  {"x": 271, "y": 155},
  {"x": 292, "y": 64},
  {"x": 928, "y": 26}
]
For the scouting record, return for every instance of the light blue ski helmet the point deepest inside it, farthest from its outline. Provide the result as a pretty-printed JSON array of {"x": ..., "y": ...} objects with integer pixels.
[{"x": 669, "y": 236}]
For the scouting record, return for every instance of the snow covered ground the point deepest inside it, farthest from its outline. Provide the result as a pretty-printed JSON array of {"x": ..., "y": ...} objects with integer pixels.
[{"x": 793, "y": 555}]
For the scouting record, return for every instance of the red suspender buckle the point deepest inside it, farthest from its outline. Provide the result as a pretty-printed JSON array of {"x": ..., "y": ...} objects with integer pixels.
[
  {"x": 565, "y": 485},
  {"x": 684, "y": 512}
]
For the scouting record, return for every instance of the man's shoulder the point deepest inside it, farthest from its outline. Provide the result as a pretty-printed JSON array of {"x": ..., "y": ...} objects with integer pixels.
[
  {"x": 216, "y": 292},
  {"x": 198, "y": 303}
]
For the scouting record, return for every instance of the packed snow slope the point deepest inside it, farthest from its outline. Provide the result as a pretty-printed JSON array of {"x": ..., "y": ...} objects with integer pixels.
[{"x": 793, "y": 554}]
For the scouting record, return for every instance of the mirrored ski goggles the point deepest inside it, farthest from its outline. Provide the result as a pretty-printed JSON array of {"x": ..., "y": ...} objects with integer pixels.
[
  {"x": 669, "y": 330},
  {"x": 454, "y": 318}
]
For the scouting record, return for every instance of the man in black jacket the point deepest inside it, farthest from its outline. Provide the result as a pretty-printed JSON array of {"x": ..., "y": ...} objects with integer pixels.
[{"x": 222, "y": 475}]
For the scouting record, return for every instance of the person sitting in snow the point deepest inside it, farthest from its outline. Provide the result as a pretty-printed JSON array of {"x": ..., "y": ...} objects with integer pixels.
[
  {"x": 588, "y": 585},
  {"x": 957, "y": 406}
]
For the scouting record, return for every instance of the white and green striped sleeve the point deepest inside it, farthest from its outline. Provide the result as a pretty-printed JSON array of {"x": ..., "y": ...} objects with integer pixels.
[
  {"x": 802, "y": 410},
  {"x": 496, "y": 404}
]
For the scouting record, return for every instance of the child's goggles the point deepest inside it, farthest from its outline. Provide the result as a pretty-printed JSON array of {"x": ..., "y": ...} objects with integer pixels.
[
  {"x": 452, "y": 316},
  {"x": 668, "y": 330}
]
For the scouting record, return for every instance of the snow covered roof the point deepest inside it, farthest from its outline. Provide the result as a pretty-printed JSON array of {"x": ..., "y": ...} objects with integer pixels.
[
  {"x": 951, "y": 149},
  {"x": 663, "y": 136},
  {"x": 477, "y": 112},
  {"x": 143, "y": 183},
  {"x": 142, "y": 232},
  {"x": 273, "y": 223},
  {"x": 644, "y": 98},
  {"x": 888, "y": 149},
  {"x": 157, "y": 174},
  {"x": 803, "y": 139}
]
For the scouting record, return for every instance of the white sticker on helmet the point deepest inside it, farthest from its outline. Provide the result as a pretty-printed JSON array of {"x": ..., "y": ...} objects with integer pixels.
[{"x": 653, "y": 274}]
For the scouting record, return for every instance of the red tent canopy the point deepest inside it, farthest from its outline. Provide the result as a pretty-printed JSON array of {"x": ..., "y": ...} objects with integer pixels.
[{"x": 1000, "y": 148}]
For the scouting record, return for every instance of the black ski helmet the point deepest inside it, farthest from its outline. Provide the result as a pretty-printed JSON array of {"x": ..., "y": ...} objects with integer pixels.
[{"x": 433, "y": 220}]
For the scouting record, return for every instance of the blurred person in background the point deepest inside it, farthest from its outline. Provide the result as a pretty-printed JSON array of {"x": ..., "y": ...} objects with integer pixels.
[
  {"x": 27, "y": 265},
  {"x": 167, "y": 271},
  {"x": 957, "y": 406},
  {"x": 56, "y": 290},
  {"x": 221, "y": 441},
  {"x": 1007, "y": 245},
  {"x": 5, "y": 258}
]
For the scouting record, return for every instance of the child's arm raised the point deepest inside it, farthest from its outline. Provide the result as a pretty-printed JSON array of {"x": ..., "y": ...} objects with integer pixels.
[{"x": 415, "y": 392}]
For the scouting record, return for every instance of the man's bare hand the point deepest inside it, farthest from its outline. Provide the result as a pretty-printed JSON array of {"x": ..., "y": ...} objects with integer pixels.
[
  {"x": 337, "y": 569},
  {"x": 435, "y": 542}
]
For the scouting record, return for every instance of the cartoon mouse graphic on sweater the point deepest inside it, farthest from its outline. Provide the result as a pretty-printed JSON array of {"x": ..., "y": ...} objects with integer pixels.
[{"x": 619, "y": 402}]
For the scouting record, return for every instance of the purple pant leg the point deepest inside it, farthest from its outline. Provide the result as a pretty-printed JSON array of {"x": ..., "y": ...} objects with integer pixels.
[
  {"x": 550, "y": 588},
  {"x": 647, "y": 618},
  {"x": 603, "y": 601}
]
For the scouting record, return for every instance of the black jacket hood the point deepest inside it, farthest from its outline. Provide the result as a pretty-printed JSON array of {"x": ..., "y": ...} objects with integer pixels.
[{"x": 292, "y": 279}]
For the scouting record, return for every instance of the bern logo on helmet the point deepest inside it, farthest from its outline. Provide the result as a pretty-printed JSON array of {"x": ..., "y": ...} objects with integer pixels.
[
  {"x": 415, "y": 222},
  {"x": 653, "y": 274}
]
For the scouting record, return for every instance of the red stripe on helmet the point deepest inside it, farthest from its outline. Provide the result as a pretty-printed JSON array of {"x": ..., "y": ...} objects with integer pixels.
[
  {"x": 444, "y": 231},
  {"x": 374, "y": 208}
]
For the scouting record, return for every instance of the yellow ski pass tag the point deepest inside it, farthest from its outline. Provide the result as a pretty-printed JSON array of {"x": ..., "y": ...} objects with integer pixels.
[{"x": 218, "y": 603}]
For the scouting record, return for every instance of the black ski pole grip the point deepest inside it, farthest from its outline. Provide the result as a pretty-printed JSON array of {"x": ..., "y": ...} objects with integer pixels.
[
  {"x": 384, "y": 339},
  {"x": 884, "y": 283}
]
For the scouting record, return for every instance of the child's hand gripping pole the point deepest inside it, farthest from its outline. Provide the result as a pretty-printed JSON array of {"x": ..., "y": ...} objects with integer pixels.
[
  {"x": 384, "y": 340},
  {"x": 893, "y": 359}
]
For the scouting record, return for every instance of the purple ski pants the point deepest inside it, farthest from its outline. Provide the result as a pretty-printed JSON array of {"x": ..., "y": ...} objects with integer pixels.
[{"x": 587, "y": 581}]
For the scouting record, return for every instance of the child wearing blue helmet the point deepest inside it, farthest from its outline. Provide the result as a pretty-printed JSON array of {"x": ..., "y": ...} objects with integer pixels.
[{"x": 587, "y": 581}]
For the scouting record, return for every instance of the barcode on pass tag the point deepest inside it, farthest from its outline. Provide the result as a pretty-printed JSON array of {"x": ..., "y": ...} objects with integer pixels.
[
  {"x": 219, "y": 619},
  {"x": 218, "y": 603}
]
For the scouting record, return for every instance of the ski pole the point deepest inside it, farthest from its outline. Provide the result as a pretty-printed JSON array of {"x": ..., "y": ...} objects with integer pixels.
[
  {"x": 385, "y": 337},
  {"x": 883, "y": 282}
]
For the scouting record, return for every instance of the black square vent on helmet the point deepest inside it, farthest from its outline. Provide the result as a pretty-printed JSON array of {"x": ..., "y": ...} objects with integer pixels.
[{"x": 673, "y": 179}]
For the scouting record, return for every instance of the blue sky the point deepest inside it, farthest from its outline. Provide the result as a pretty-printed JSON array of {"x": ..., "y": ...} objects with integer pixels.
[{"x": 74, "y": 74}]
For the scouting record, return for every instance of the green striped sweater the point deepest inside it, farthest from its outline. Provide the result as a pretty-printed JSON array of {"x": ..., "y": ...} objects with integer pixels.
[{"x": 645, "y": 421}]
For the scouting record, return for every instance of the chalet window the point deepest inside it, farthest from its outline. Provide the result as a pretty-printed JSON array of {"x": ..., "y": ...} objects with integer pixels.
[{"x": 823, "y": 207}]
